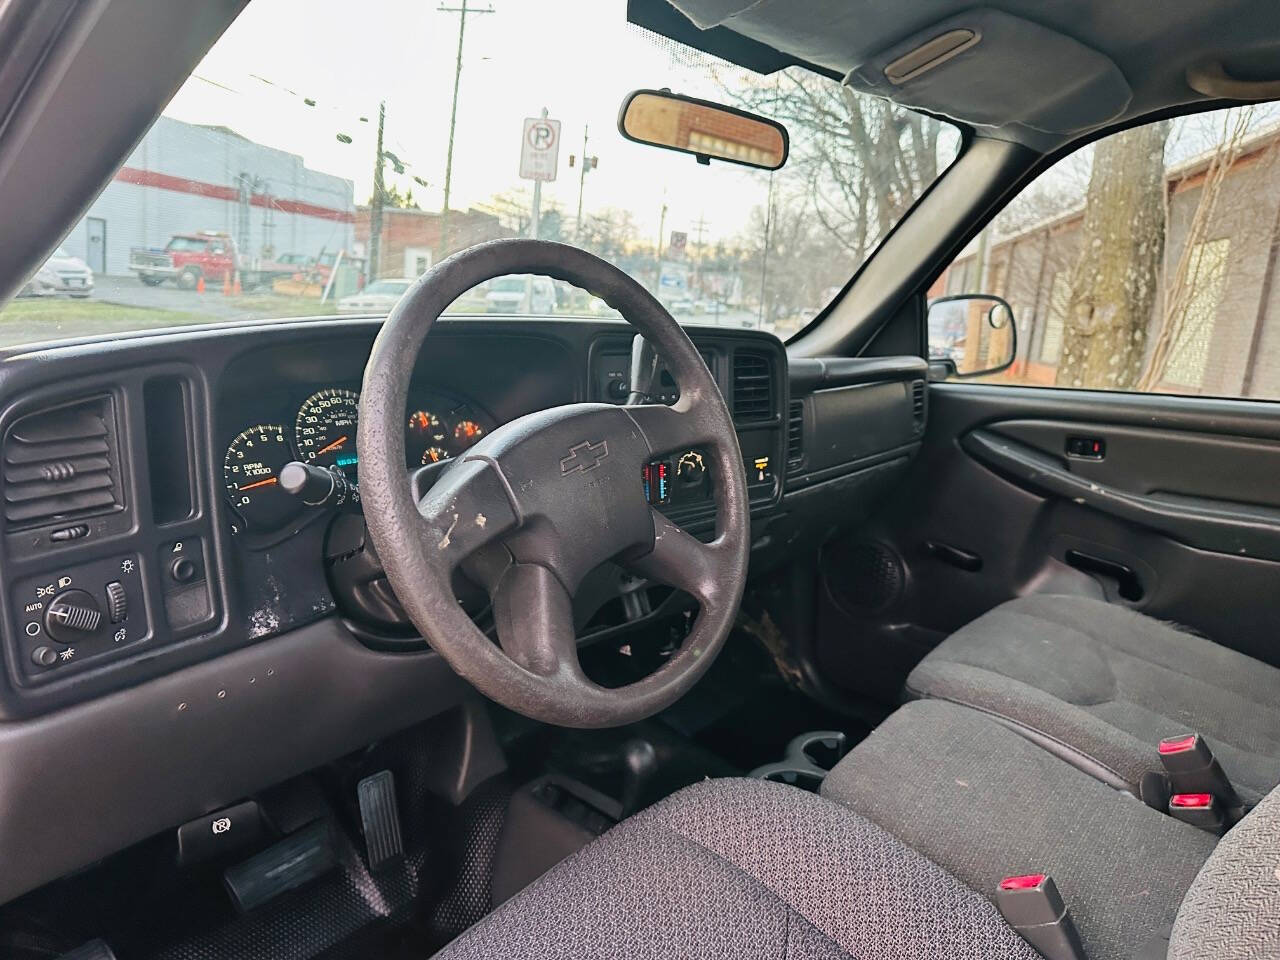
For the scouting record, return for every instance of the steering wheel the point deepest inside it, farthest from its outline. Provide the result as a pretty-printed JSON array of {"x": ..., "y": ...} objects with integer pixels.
[{"x": 541, "y": 501}]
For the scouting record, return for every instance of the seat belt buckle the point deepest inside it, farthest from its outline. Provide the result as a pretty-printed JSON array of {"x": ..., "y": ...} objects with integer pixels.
[
  {"x": 1032, "y": 905},
  {"x": 1198, "y": 809},
  {"x": 1194, "y": 771}
]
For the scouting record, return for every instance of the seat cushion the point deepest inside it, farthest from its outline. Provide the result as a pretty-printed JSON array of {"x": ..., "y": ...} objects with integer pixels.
[
  {"x": 745, "y": 869},
  {"x": 1102, "y": 685},
  {"x": 983, "y": 802}
]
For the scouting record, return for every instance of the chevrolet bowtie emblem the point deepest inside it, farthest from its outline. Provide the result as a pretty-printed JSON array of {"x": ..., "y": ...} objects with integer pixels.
[{"x": 583, "y": 457}]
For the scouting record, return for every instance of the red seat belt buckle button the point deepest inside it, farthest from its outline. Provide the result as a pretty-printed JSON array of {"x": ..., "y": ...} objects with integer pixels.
[
  {"x": 1031, "y": 904},
  {"x": 1192, "y": 770},
  {"x": 1198, "y": 809}
]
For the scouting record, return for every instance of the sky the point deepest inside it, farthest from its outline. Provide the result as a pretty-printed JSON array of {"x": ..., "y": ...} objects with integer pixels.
[{"x": 576, "y": 58}]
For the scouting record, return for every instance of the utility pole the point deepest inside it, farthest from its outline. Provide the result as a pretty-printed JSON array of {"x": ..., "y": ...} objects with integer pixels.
[
  {"x": 699, "y": 227},
  {"x": 662, "y": 226},
  {"x": 375, "y": 205},
  {"x": 588, "y": 164},
  {"x": 462, "y": 12}
]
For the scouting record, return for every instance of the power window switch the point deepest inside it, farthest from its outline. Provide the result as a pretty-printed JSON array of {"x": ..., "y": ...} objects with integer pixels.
[{"x": 117, "y": 601}]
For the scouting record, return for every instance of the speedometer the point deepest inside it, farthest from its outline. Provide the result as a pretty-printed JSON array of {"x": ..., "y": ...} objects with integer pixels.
[{"x": 326, "y": 430}]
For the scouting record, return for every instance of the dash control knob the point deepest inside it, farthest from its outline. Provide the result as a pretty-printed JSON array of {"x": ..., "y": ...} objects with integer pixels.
[
  {"x": 691, "y": 468},
  {"x": 117, "y": 601},
  {"x": 183, "y": 570},
  {"x": 72, "y": 614}
]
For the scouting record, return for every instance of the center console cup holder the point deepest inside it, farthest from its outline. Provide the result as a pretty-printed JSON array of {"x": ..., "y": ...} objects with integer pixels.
[{"x": 806, "y": 761}]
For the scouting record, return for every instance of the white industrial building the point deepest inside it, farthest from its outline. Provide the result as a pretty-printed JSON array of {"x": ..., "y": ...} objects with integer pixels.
[{"x": 185, "y": 178}]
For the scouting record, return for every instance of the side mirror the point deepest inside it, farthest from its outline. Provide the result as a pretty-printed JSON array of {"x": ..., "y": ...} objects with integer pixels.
[
  {"x": 707, "y": 130},
  {"x": 972, "y": 335}
]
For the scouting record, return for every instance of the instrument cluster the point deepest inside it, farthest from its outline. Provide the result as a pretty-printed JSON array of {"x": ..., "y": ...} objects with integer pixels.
[{"x": 323, "y": 434}]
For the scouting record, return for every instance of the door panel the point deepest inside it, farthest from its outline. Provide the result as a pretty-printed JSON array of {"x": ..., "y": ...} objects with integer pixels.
[{"x": 1179, "y": 517}]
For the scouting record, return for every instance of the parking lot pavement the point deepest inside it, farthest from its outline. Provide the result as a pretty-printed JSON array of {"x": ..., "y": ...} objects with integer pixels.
[{"x": 132, "y": 292}]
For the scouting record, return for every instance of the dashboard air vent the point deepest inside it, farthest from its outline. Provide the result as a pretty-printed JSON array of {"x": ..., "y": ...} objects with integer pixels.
[
  {"x": 795, "y": 436},
  {"x": 62, "y": 464},
  {"x": 918, "y": 403},
  {"x": 752, "y": 386}
]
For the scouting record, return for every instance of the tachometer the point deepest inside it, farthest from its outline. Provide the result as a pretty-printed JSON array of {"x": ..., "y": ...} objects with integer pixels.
[
  {"x": 326, "y": 430},
  {"x": 251, "y": 472}
]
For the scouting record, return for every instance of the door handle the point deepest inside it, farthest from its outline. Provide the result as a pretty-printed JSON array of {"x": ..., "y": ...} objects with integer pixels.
[
  {"x": 963, "y": 559},
  {"x": 1128, "y": 585}
]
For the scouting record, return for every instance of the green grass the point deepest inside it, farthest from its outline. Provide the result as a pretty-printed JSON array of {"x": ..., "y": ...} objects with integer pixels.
[
  {"x": 277, "y": 306},
  {"x": 33, "y": 321}
]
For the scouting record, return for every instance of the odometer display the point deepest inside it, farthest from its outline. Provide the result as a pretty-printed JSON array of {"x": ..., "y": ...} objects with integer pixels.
[
  {"x": 326, "y": 430},
  {"x": 251, "y": 472}
]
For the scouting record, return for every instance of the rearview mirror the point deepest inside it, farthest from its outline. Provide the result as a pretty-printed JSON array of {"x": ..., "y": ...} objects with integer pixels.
[
  {"x": 973, "y": 335},
  {"x": 707, "y": 130}
]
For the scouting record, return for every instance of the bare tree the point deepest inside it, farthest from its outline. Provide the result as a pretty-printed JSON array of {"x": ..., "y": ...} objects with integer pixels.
[
  {"x": 861, "y": 161},
  {"x": 1181, "y": 283},
  {"x": 1115, "y": 282}
]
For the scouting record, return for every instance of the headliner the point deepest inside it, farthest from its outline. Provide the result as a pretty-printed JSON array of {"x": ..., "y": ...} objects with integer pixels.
[{"x": 1096, "y": 62}]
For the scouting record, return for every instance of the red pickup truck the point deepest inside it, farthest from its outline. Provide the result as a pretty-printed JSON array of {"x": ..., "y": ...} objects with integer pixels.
[{"x": 188, "y": 257}]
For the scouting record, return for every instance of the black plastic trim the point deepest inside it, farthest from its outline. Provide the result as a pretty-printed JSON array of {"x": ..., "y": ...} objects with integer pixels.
[
  {"x": 1215, "y": 525},
  {"x": 819, "y": 373}
]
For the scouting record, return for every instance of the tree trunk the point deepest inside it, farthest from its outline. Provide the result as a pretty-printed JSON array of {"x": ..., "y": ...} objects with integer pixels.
[{"x": 1115, "y": 282}]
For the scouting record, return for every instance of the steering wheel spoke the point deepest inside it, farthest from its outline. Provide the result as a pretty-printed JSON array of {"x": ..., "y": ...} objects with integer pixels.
[
  {"x": 668, "y": 429},
  {"x": 466, "y": 509},
  {"x": 534, "y": 616},
  {"x": 680, "y": 560}
]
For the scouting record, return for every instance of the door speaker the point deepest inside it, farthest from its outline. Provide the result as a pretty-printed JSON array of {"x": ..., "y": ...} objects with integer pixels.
[{"x": 865, "y": 576}]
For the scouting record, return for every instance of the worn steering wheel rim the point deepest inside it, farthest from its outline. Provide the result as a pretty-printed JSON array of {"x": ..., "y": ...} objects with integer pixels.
[{"x": 545, "y": 498}]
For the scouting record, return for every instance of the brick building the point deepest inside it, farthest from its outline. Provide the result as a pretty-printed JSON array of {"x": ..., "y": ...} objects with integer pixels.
[{"x": 411, "y": 238}]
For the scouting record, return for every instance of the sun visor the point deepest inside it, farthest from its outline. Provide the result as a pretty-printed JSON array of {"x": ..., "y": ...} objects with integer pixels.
[
  {"x": 711, "y": 13},
  {"x": 987, "y": 68}
]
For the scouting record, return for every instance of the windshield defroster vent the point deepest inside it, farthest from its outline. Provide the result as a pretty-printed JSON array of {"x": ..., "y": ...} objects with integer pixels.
[
  {"x": 795, "y": 436},
  {"x": 62, "y": 464},
  {"x": 752, "y": 386}
]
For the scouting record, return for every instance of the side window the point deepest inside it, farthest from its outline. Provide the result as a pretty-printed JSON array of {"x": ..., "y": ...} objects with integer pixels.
[{"x": 1146, "y": 261}]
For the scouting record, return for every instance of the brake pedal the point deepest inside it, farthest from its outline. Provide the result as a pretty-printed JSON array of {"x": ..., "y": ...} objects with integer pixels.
[
  {"x": 380, "y": 819},
  {"x": 298, "y": 859}
]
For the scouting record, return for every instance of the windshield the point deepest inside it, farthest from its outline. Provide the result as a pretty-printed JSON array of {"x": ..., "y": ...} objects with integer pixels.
[
  {"x": 322, "y": 145},
  {"x": 392, "y": 287}
]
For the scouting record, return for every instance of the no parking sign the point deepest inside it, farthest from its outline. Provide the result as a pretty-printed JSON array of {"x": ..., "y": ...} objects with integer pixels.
[{"x": 540, "y": 149}]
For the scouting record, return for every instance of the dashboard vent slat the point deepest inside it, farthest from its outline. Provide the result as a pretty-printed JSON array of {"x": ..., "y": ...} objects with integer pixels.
[
  {"x": 795, "y": 436},
  {"x": 752, "y": 386},
  {"x": 61, "y": 464},
  {"x": 918, "y": 403}
]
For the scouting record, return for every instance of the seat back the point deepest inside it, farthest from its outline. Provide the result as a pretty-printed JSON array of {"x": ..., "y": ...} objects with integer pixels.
[{"x": 1232, "y": 910}]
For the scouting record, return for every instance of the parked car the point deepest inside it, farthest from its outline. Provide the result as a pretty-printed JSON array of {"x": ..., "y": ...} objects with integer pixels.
[
  {"x": 377, "y": 297},
  {"x": 508, "y": 295},
  {"x": 62, "y": 273}
]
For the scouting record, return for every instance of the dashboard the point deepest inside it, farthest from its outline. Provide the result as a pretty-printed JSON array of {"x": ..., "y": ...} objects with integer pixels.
[{"x": 171, "y": 612}]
